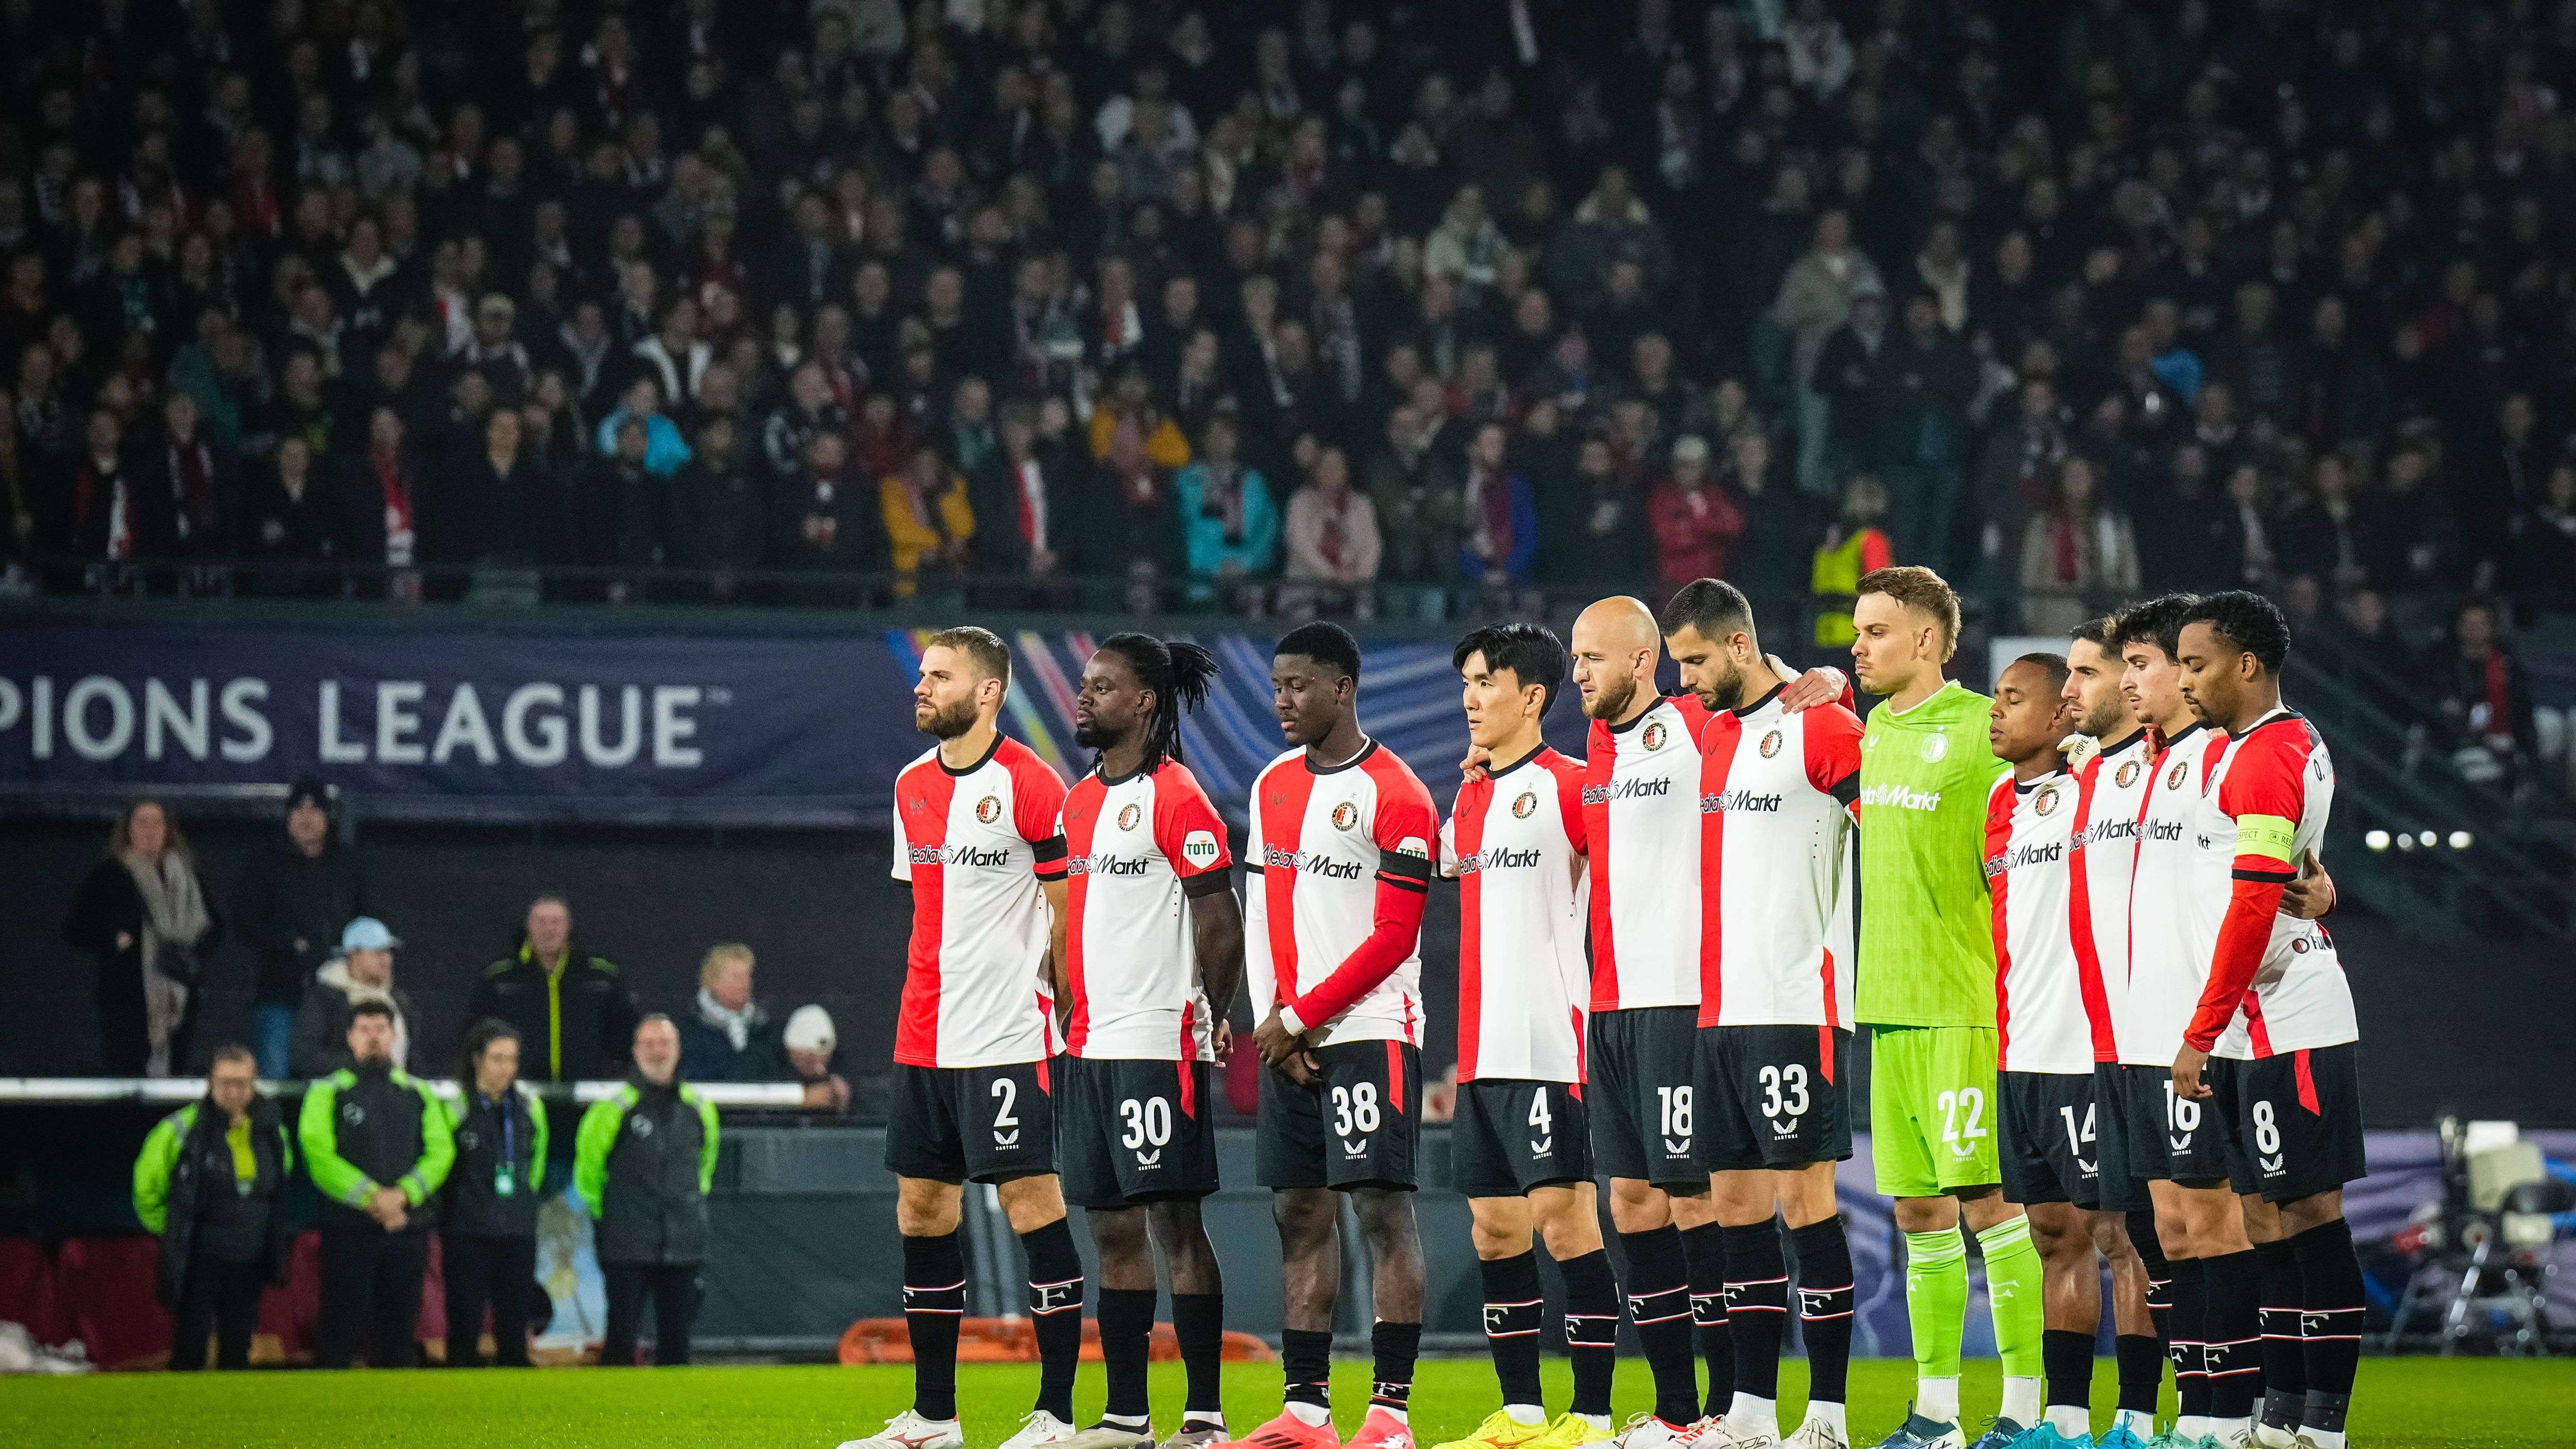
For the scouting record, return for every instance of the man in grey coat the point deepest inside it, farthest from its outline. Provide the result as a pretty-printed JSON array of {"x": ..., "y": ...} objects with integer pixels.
[{"x": 643, "y": 1163}]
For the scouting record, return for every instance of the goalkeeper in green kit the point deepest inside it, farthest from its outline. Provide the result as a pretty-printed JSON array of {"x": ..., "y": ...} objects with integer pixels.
[{"x": 1926, "y": 991}]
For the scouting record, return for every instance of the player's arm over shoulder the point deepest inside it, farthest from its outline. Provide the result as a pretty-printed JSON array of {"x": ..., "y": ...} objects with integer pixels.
[{"x": 1833, "y": 736}]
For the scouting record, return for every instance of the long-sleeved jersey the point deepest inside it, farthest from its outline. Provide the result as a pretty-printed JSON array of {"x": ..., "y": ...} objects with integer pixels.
[{"x": 1337, "y": 869}]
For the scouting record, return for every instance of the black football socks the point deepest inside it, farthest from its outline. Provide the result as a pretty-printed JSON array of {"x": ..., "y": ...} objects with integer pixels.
[
  {"x": 2330, "y": 1296},
  {"x": 1393, "y": 1347},
  {"x": 1825, "y": 1309},
  {"x": 1126, "y": 1317},
  {"x": 1198, "y": 1322},
  {"x": 1512, "y": 1312},
  {"x": 1307, "y": 1356},
  {"x": 2231, "y": 1344},
  {"x": 1055, "y": 1310},
  {"x": 1591, "y": 1329},
  {"x": 1704, "y": 1249},
  {"x": 934, "y": 1305},
  {"x": 1659, "y": 1304},
  {"x": 1757, "y": 1313}
]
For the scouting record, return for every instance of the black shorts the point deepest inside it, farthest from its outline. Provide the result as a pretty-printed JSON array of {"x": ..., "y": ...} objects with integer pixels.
[
  {"x": 1353, "y": 1123},
  {"x": 2051, "y": 1144},
  {"x": 1512, "y": 1134},
  {"x": 1131, "y": 1132},
  {"x": 2174, "y": 1139},
  {"x": 2123, "y": 1191},
  {"x": 971, "y": 1124},
  {"x": 2295, "y": 1120},
  {"x": 1773, "y": 1096},
  {"x": 1643, "y": 1067}
]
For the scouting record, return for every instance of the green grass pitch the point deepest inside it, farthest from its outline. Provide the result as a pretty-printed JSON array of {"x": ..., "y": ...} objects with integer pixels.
[{"x": 2409, "y": 1402}]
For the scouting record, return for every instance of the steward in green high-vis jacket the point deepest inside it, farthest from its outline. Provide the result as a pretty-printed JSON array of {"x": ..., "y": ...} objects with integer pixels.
[
  {"x": 643, "y": 1162},
  {"x": 206, "y": 1184},
  {"x": 377, "y": 1145}
]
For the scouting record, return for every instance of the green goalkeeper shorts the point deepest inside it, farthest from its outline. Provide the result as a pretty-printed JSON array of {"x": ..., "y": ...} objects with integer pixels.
[{"x": 1932, "y": 1109}]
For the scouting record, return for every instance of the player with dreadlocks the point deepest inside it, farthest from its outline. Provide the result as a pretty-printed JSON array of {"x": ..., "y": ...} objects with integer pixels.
[{"x": 1146, "y": 986}]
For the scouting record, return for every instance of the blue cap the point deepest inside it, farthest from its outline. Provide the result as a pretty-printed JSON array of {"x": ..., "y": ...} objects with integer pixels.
[{"x": 366, "y": 933}]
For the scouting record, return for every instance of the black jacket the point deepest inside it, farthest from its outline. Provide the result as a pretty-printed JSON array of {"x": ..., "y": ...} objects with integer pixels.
[
  {"x": 292, "y": 907},
  {"x": 577, "y": 1024},
  {"x": 708, "y": 1055},
  {"x": 474, "y": 1206},
  {"x": 187, "y": 1189},
  {"x": 321, "y": 1042},
  {"x": 372, "y": 1127},
  {"x": 643, "y": 1165},
  {"x": 107, "y": 903}
]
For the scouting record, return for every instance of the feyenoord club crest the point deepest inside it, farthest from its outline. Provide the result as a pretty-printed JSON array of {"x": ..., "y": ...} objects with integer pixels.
[
  {"x": 1128, "y": 817},
  {"x": 1345, "y": 815},
  {"x": 1523, "y": 806},
  {"x": 1935, "y": 748},
  {"x": 2173, "y": 777},
  {"x": 1770, "y": 744},
  {"x": 2299, "y": 944},
  {"x": 1654, "y": 735},
  {"x": 989, "y": 809},
  {"x": 2128, "y": 774},
  {"x": 2047, "y": 800}
]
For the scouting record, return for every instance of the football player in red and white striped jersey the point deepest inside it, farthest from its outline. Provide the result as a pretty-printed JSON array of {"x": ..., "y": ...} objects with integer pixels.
[
  {"x": 2275, "y": 1010},
  {"x": 1776, "y": 795},
  {"x": 1337, "y": 871},
  {"x": 1153, "y": 957},
  {"x": 1522, "y": 1144},
  {"x": 976, "y": 834}
]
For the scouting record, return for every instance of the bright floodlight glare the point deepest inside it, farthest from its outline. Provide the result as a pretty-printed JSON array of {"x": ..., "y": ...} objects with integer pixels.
[
  {"x": 2405, "y": 841},
  {"x": 2459, "y": 840},
  {"x": 2376, "y": 839},
  {"x": 2430, "y": 840}
]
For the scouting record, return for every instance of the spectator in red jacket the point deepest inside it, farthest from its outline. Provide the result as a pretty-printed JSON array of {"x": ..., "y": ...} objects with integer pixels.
[{"x": 1695, "y": 523}]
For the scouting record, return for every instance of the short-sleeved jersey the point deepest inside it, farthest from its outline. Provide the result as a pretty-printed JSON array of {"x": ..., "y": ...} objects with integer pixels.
[
  {"x": 1776, "y": 865},
  {"x": 1139, "y": 847},
  {"x": 2265, "y": 804},
  {"x": 1927, "y": 943},
  {"x": 1320, "y": 841},
  {"x": 976, "y": 843},
  {"x": 1515, "y": 842},
  {"x": 1641, "y": 822},
  {"x": 2109, "y": 792},
  {"x": 2040, "y": 1024},
  {"x": 2164, "y": 976}
]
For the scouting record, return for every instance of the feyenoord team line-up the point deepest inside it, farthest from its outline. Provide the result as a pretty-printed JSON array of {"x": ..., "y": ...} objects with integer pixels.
[{"x": 2080, "y": 921}]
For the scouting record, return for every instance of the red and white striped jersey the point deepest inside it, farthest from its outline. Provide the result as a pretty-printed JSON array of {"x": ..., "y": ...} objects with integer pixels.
[
  {"x": 2265, "y": 808},
  {"x": 1515, "y": 842},
  {"x": 976, "y": 843},
  {"x": 2109, "y": 792},
  {"x": 1321, "y": 843},
  {"x": 1140, "y": 846},
  {"x": 1641, "y": 827},
  {"x": 2195, "y": 829},
  {"x": 1776, "y": 866},
  {"x": 2040, "y": 1023}
]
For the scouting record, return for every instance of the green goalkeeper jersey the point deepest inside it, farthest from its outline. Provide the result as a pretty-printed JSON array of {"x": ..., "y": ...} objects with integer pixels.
[{"x": 1927, "y": 945}]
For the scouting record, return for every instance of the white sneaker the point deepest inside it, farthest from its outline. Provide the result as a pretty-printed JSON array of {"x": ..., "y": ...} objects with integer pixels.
[
  {"x": 1040, "y": 1430},
  {"x": 2268, "y": 1436},
  {"x": 1645, "y": 1431},
  {"x": 1817, "y": 1434},
  {"x": 909, "y": 1430},
  {"x": 1112, "y": 1436},
  {"x": 1718, "y": 1433}
]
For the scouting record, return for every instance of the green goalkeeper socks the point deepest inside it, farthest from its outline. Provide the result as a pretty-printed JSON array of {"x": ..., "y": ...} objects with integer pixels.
[
  {"x": 1936, "y": 1300},
  {"x": 2014, "y": 1292}
]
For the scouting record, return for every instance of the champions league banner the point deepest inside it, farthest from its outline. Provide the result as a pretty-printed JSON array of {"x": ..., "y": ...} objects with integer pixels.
[{"x": 511, "y": 722}]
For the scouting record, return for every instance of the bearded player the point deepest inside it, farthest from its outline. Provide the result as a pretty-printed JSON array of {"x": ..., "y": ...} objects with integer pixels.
[{"x": 976, "y": 834}]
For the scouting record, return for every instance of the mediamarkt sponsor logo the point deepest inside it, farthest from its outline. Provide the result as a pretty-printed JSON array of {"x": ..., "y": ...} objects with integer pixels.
[
  {"x": 2026, "y": 853},
  {"x": 1312, "y": 863},
  {"x": 1737, "y": 800},
  {"x": 1497, "y": 858},
  {"x": 2102, "y": 832},
  {"x": 1105, "y": 865},
  {"x": 1626, "y": 790},
  {"x": 988, "y": 857},
  {"x": 1899, "y": 797}
]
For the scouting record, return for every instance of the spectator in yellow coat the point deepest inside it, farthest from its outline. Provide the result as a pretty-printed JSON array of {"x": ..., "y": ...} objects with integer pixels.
[{"x": 928, "y": 520}]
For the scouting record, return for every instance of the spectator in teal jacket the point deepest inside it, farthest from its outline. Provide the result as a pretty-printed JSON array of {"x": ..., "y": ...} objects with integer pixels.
[
  {"x": 207, "y": 1186},
  {"x": 664, "y": 449},
  {"x": 377, "y": 1145},
  {"x": 1229, "y": 523},
  {"x": 643, "y": 1162}
]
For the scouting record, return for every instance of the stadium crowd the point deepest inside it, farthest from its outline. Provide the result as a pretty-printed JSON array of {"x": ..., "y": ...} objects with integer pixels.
[{"x": 1298, "y": 308}]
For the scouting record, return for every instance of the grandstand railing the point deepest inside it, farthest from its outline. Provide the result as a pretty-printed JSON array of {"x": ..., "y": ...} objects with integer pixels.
[{"x": 772, "y": 1096}]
